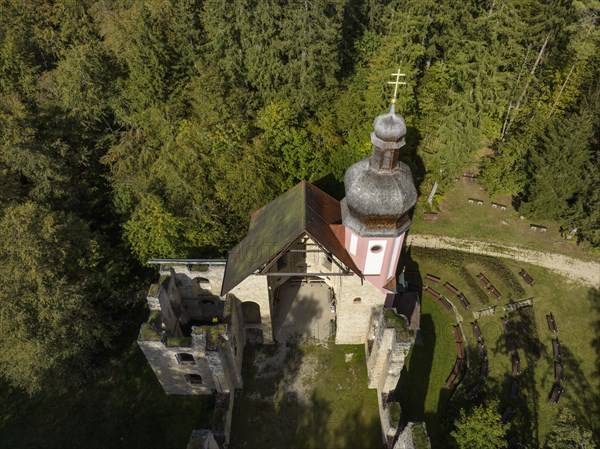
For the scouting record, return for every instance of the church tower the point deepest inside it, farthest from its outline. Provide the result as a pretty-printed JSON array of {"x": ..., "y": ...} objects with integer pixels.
[{"x": 380, "y": 191}]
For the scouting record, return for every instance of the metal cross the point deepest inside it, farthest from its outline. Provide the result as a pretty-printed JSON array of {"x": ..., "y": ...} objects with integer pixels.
[{"x": 396, "y": 83}]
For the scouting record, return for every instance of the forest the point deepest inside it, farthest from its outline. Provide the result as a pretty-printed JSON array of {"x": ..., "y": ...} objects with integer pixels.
[{"x": 153, "y": 128}]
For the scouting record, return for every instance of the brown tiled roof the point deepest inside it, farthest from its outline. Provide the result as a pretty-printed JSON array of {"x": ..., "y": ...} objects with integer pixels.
[{"x": 302, "y": 209}]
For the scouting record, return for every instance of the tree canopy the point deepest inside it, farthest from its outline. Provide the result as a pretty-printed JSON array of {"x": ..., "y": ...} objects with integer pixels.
[
  {"x": 154, "y": 128},
  {"x": 480, "y": 428}
]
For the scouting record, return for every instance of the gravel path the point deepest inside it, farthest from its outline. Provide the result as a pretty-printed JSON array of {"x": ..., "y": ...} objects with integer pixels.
[{"x": 586, "y": 272}]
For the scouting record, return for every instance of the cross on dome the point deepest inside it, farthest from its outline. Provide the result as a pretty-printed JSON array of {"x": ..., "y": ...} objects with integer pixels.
[{"x": 396, "y": 83}]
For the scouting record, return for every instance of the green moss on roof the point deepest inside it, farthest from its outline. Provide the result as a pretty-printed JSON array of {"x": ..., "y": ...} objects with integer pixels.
[{"x": 303, "y": 208}]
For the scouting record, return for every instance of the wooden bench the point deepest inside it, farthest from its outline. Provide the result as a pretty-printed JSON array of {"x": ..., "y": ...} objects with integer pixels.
[
  {"x": 498, "y": 206},
  {"x": 555, "y": 393},
  {"x": 495, "y": 293},
  {"x": 460, "y": 350},
  {"x": 474, "y": 391},
  {"x": 469, "y": 175},
  {"x": 514, "y": 389},
  {"x": 526, "y": 277},
  {"x": 482, "y": 349},
  {"x": 516, "y": 364},
  {"x": 558, "y": 372},
  {"x": 484, "y": 280},
  {"x": 451, "y": 288},
  {"x": 505, "y": 325},
  {"x": 556, "y": 349},
  {"x": 445, "y": 302},
  {"x": 433, "y": 279},
  {"x": 457, "y": 334},
  {"x": 430, "y": 216},
  {"x": 454, "y": 373},
  {"x": 507, "y": 414},
  {"x": 510, "y": 344},
  {"x": 551, "y": 323},
  {"x": 476, "y": 331},
  {"x": 485, "y": 368},
  {"x": 475, "y": 201},
  {"x": 431, "y": 292},
  {"x": 464, "y": 301},
  {"x": 535, "y": 227}
]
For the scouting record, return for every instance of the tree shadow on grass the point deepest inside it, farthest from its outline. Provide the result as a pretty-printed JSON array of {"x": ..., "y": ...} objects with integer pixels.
[
  {"x": 594, "y": 299},
  {"x": 267, "y": 414}
]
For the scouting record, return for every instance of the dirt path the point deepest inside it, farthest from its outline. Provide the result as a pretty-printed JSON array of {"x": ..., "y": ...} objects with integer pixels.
[{"x": 586, "y": 272}]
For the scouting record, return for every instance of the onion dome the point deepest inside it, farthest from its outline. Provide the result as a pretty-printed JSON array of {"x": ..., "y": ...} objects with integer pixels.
[{"x": 380, "y": 189}]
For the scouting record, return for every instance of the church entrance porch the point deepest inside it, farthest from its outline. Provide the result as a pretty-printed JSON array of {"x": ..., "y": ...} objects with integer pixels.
[{"x": 304, "y": 309}]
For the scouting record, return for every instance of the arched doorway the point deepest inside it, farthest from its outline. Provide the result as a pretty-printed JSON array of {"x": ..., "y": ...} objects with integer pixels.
[{"x": 250, "y": 313}]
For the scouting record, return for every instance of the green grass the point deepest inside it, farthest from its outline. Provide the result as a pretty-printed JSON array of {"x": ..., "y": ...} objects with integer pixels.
[
  {"x": 577, "y": 312},
  {"x": 457, "y": 218},
  {"x": 198, "y": 267},
  {"x": 123, "y": 407},
  {"x": 421, "y": 387},
  {"x": 339, "y": 412},
  {"x": 176, "y": 342},
  {"x": 420, "y": 439}
]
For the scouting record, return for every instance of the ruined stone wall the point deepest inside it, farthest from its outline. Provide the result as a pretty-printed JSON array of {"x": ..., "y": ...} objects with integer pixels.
[
  {"x": 168, "y": 316},
  {"x": 384, "y": 365},
  {"x": 254, "y": 288},
  {"x": 171, "y": 374},
  {"x": 235, "y": 343},
  {"x": 213, "y": 274},
  {"x": 353, "y": 317}
]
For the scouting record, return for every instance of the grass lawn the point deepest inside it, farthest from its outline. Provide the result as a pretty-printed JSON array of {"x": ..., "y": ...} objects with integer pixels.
[
  {"x": 305, "y": 396},
  {"x": 124, "y": 408},
  {"x": 457, "y": 218},
  {"x": 421, "y": 387},
  {"x": 577, "y": 312}
]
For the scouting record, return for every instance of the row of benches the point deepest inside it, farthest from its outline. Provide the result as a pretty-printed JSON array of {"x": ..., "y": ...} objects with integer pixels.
[
  {"x": 484, "y": 368},
  {"x": 480, "y": 203},
  {"x": 488, "y": 285},
  {"x": 454, "y": 375},
  {"x": 510, "y": 345},
  {"x": 451, "y": 288},
  {"x": 437, "y": 295},
  {"x": 557, "y": 389}
]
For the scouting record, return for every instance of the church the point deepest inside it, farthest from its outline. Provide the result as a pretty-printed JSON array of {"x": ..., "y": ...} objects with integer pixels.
[{"x": 310, "y": 267}]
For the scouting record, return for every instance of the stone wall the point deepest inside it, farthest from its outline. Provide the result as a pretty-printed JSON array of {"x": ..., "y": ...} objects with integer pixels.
[
  {"x": 171, "y": 374},
  {"x": 353, "y": 317},
  {"x": 384, "y": 365},
  {"x": 254, "y": 288},
  {"x": 406, "y": 440}
]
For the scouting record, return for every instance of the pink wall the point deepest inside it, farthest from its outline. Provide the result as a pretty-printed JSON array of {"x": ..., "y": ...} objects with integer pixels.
[{"x": 359, "y": 249}]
